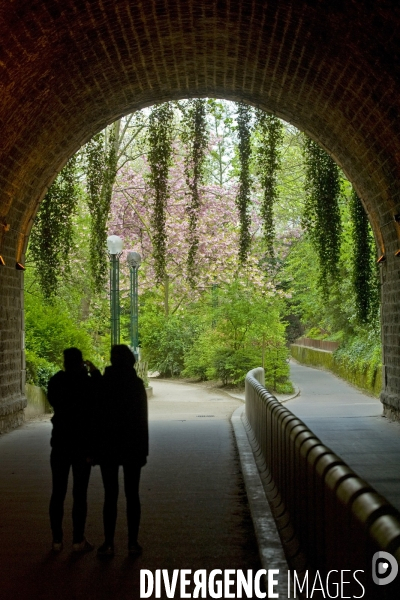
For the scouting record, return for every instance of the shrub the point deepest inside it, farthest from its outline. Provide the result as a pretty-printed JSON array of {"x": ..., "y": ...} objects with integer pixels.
[
  {"x": 50, "y": 329},
  {"x": 165, "y": 342},
  {"x": 38, "y": 370},
  {"x": 232, "y": 366},
  {"x": 198, "y": 359}
]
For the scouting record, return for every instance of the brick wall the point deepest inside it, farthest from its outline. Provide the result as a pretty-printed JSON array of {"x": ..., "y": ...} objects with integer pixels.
[
  {"x": 12, "y": 367},
  {"x": 69, "y": 67}
]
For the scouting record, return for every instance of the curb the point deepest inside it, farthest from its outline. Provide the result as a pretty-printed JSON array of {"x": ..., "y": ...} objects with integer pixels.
[
  {"x": 296, "y": 393},
  {"x": 269, "y": 544}
]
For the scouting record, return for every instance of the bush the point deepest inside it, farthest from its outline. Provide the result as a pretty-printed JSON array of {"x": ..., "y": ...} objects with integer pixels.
[
  {"x": 276, "y": 366},
  {"x": 165, "y": 340},
  {"x": 38, "y": 370},
  {"x": 232, "y": 366},
  {"x": 50, "y": 329},
  {"x": 198, "y": 359}
]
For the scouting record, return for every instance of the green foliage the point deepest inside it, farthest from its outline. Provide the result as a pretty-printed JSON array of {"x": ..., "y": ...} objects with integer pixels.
[
  {"x": 220, "y": 337},
  {"x": 199, "y": 358},
  {"x": 243, "y": 197},
  {"x": 165, "y": 340},
  {"x": 321, "y": 217},
  {"x": 365, "y": 275},
  {"x": 49, "y": 330},
  {"x": 159, "y": 156},
  {"x": 38, "y": 370},
  {"x": 242, "y": 332},
  {"x": 362, "y": 353},
  {"x": 231, "y": 366},
  {"x": 101, "y": 170},
  {"x": 52, "y": 234},
  {"x": 195, "y": 137},
  {"x": 268, "y": 161}
]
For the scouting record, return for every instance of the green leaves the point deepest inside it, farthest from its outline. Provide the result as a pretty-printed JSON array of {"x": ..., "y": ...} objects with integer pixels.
[
  {"x": 364, "y": 275},
  {"x": 243, "y": 197},
  {"x": 268, "y": 162},
  {"x": 321, "y": 217},
  {"x": 52, "y": 236},
  {"x": 101, "y": 170},
  {"x": 159, "y": 156},
  {"x": 195, "y": 137}
]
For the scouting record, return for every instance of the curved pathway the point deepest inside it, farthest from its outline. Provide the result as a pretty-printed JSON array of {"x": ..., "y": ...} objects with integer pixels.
[{"x": 350, "y": 422}]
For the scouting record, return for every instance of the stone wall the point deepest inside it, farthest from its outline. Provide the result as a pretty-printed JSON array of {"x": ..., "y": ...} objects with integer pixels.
[{"x": 12, "y": 365}]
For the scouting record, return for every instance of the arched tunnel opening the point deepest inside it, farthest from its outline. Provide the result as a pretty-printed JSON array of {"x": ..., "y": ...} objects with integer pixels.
[{"x": 69, "y": 69}]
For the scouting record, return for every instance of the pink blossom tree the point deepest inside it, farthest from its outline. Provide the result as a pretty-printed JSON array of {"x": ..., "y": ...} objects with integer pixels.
[{"x": 218, "y": 232}]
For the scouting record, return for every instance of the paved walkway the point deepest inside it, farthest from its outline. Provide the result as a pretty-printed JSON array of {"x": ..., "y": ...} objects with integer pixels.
[
  {"x": 195, "y": 511},
  {"x": 351, "y": 424}
]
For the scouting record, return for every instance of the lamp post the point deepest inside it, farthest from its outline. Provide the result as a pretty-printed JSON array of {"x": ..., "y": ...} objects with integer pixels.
[
  {"x": 214, "y": 301},
  {"x": 114, "y": 245},
  {"x": 134, "y": 259}
]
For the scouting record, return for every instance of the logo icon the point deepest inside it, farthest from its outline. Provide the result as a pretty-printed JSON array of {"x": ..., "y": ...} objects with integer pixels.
[{"x": 384, "y": 568}]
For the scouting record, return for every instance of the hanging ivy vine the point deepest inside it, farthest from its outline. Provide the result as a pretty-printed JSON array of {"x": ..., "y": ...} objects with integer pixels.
[
  {"x": 159, "y": 157},
  {"x": 321, "y": 217},
  {"x": 195, "y": 136},
  {"x": 243, "y": 196},
  {"x": 364, "y": 277},
  {"x": 268, "y": 162},
  {"x": 52, "y": 234},
  {"x": 101, "y": 170}
]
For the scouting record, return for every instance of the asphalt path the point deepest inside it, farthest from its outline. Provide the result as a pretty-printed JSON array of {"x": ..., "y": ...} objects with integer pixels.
[{"x": 350, "y": 422}]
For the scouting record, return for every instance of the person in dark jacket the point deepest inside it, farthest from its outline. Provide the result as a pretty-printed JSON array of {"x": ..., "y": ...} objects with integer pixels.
[
  {"x": 123, "y": 440},
  {"x": 72, "y": 394}
]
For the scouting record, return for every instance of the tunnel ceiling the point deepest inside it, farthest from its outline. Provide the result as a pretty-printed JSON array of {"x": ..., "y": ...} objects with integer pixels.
[{"x": 69, "y": 67}]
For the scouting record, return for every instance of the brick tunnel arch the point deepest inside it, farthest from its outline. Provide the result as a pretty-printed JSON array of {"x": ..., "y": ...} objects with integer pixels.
[{"x": 69, "y": 67}]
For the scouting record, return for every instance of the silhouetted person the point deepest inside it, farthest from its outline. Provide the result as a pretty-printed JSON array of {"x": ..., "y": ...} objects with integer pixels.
[
  {"x": 123, "y": 440},
  {"x": 72, "y": 394}
]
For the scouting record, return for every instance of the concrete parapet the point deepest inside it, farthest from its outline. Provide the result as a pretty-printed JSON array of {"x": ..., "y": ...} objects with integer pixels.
[{"x": 37, "y": 403}]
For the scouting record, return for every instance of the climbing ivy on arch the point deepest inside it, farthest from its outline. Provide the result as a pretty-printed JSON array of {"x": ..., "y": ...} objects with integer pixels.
[
  {"x": 195, "y": 136},
  {"x": 101, "y": 162},
  {"x": 52, "y": 235},
  {"x": 243, "y": 197},
  {"x": 268, "y": 161},
  {"x": 364, "y": 274},
  {"x": 321, "y": 216},
  {"x": 159, "y": 156}
]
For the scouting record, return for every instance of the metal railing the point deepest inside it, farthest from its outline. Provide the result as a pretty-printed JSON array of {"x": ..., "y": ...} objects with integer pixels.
[{"x": 339, "y": 520}]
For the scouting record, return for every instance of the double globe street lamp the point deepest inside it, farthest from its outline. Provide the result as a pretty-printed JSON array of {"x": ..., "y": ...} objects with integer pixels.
[
  {"x": 115, "y": 245},
  {"x": 134, "y": 259}
]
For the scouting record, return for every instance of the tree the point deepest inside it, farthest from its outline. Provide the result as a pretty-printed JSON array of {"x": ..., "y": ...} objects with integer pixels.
[{"x": 216, "y": 258}]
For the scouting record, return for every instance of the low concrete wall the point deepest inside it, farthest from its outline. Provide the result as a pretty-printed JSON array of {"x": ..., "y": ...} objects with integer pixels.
[
  {"x": 365, "y": 380},
  {"x": 37, "y": 402},
  {"x": 319, "y": 344}
]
